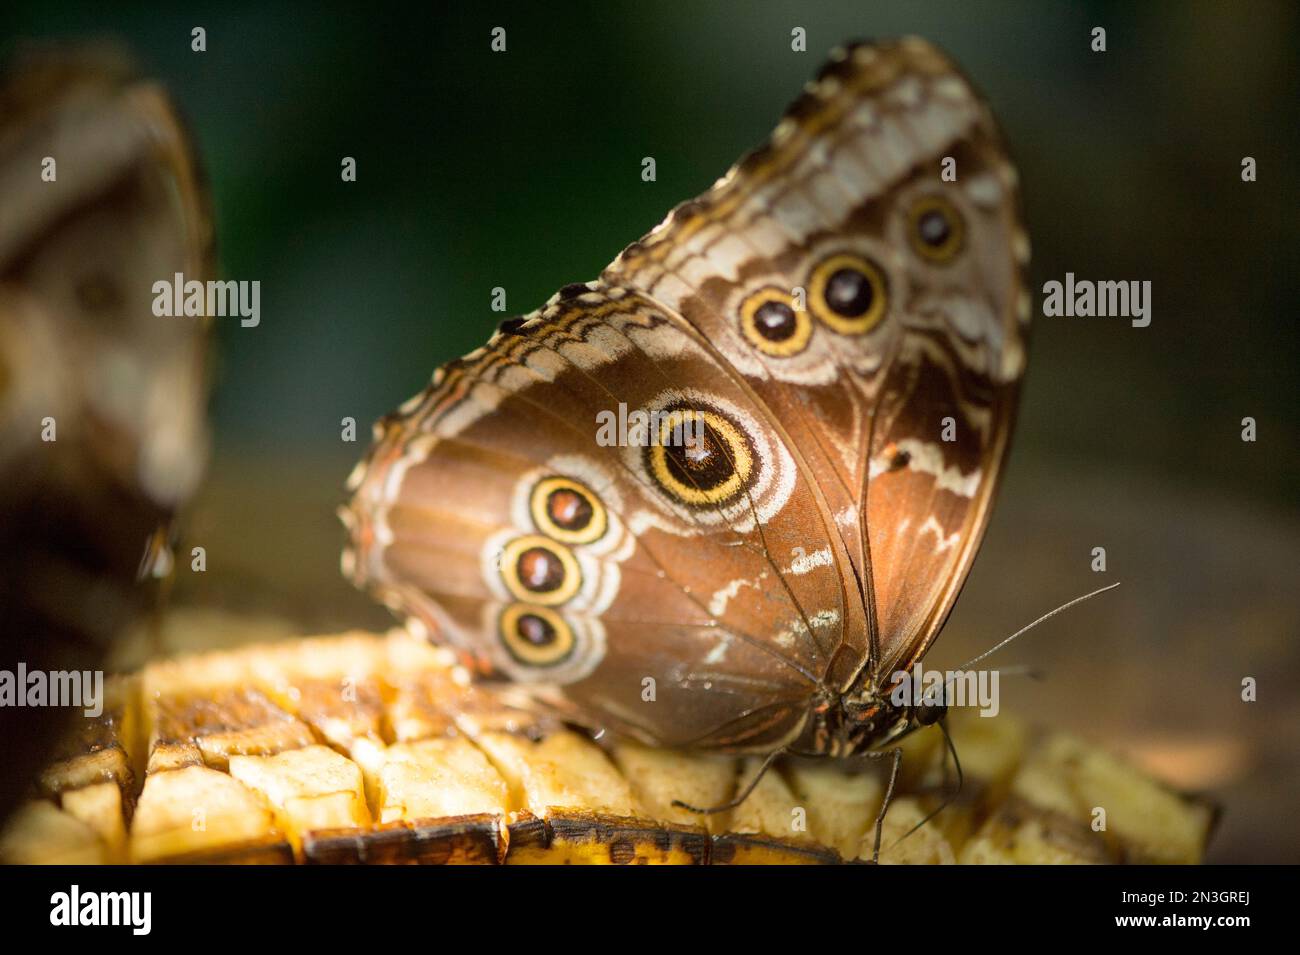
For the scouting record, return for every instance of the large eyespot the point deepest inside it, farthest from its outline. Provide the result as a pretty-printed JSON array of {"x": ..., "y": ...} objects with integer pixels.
[
  {"x": 770, "y": 322},
  {"x": 567, "y": 511},
  {"x": 535, "y": 636},
  {"x": 539, "y": 570},
  {"x": 848, "y": 293},
  {"x": 936, "y": 229},
  {"x": 700, "y": 457}
]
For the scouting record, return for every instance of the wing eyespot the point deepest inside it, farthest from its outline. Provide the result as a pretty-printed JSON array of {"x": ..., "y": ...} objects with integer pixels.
[
  {"x": 936, "y": 229},
  {"x": 568, "y": 511},
  {"x": 771, "y": 323},
  {"x": 848, "y": 293},
  {"x": 538, "y": 570},
  {"x": 535, "y": 636},
  {"x": 701, "y": 458}
]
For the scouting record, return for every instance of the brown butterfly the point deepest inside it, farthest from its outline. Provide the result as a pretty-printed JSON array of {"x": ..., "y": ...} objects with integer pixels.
[
  {"x": 818, "y": 363},
  {"x": 103, "y": 431}
]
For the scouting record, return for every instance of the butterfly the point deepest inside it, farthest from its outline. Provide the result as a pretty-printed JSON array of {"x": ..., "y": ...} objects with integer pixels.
[
  {"x": 818, "y": 360},
  {"x": 103, "y": 430}
]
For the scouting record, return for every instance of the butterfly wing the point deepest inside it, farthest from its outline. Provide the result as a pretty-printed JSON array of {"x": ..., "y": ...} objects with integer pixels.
[
  {"x": 863, "y": 271},
  {"x": 650, "y": 588},
  {"x": 829, "y": 309}
]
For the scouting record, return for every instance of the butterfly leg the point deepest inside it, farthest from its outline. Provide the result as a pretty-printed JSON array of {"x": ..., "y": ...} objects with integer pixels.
[
  {"x": 948, "y": 797},
  {"x": 897, "y": 754},
  {"x": 744, "y": 793}
]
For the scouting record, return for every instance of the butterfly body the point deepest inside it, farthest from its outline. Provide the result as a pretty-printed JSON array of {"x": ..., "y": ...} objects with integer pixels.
[{"x": 821, "y": 356}]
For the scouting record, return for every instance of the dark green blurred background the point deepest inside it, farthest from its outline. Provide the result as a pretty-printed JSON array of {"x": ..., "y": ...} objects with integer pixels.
[{"x": 522, "y": 170}]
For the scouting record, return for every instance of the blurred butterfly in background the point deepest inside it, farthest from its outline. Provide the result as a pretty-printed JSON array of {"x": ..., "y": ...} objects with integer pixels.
[
  {"x": 103, "y": 431},
  {"x": 819, "y": 358}
]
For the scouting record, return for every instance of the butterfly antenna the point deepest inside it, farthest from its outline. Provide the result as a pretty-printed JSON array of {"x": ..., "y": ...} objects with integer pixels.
[
  {"x": 943, "y": 724},
  {"x": 1043, "y": 619},
  {"x": 1032, "y": 672}
]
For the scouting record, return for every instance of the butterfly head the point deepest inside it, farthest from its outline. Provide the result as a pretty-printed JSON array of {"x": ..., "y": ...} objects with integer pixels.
[{"x": 870, "y": 719}]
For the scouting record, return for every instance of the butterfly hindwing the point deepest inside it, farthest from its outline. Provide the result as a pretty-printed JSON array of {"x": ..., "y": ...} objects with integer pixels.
[{"x": 634, "y": 593}]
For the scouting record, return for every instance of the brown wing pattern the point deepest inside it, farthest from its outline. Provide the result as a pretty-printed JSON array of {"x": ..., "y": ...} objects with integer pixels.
[
  {"x": 842, "y": 322},
  {"x": 447, "y": 527},
  {"x": 852, "y": 181}
]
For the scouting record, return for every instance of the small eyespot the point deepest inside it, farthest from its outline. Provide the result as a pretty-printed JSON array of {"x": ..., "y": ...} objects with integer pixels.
[
  {"x": 701, "y": 458},
  {"x": 567, "y": 511},
  {"x": 771, "y": 323},
  {"x": 936, "y": 229},
  {"x": 895, "y": 458},
  {"x": 538, "y": 570},
  {"x": 535, "y": 636},
  {"x": 848, "y": 293}
]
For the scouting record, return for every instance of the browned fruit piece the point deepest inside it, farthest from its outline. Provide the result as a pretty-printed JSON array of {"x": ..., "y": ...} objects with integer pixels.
[{"x": 418, "y": 766}]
